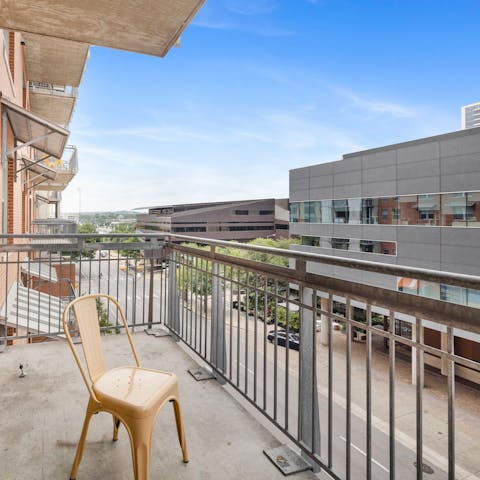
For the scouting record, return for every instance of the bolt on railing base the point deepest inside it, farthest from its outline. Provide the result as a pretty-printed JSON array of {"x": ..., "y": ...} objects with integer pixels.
[{"x": 286, "y": 460}]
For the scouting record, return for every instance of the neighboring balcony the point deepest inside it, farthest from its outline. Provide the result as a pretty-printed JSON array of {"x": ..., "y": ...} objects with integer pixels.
[
  {"x": 353, "y": 392},
  {"x": 54, "y": 103},
  {"x": 53, "y": 174},
  {"x": 54, "y": 226}
]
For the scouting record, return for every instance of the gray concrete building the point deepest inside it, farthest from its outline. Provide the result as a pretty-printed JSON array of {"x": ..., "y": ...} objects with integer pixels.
[
  {"x": 415, "y": 203},
  {"x": 241, "y": 220}
]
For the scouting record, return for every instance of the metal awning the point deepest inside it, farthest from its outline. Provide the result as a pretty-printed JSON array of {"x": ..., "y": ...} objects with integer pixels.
[
  {"x": 32, "y": 310},
  {"x": 39, "y": 168},
  {"x": 54, "y": 60},
  {"x": 33, "y": 130},
  {"x": 143, "y": 26},
  {"x": 40, "y": 270}
]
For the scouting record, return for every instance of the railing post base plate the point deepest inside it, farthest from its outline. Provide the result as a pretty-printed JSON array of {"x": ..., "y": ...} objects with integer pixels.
[{"x": 286, "y": 460}]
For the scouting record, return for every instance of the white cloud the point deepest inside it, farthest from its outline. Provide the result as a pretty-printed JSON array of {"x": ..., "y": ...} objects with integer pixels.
[{"x": 377, "y": 106}]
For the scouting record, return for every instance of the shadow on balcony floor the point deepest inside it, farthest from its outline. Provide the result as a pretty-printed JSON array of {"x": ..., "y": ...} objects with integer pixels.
[{"x": 42, "y": 415}]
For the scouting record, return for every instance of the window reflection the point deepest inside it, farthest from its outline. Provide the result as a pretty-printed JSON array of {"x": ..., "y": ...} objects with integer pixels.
[
  {"x": 355, "y": 210},
  {"x": 352, "y": 244},
  {"x": 408, "y": 210},
  {"x": 429, "y": 209},
  {"x": 449, "y": 209},
  {"x": 473, "y": 209},
  {"x": 327, "y": 211},
  {"x": 340, "y": 243},
  {"x": 340, "y": 211},
  {"x": 315, "y": 212},
  {"x": 454, "y": 211}
]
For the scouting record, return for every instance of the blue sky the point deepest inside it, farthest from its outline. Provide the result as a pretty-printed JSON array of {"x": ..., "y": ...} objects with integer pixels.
[{"x": 259, "y": 87}]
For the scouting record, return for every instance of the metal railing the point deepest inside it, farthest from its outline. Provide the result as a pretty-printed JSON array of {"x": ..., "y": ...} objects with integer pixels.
[
  {"x": 333, "y": 393},
  {"x": 53, "y": 226}
]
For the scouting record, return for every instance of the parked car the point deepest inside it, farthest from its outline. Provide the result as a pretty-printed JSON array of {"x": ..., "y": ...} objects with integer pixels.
[{"x": 281, "y": 339}]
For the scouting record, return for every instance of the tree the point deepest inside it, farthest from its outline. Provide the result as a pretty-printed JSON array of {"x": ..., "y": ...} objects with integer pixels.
[
  {"x": 82, "y": 229},
  {"x": 127, "y": 228}
]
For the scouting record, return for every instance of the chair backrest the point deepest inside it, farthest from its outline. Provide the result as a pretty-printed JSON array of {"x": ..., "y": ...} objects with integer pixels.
[{"x": 86, "y": 315}]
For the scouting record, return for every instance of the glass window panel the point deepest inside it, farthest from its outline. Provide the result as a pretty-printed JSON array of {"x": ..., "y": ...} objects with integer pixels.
[
  {"x": 473, "y": 298},
  {"x": 294, "y": 212},
  {"x": 315, "y": 212},
  {"x": 327, "y": 211},
  {"x": 340, "y": 243},
  {"x": 370, "y": 211},
  {"x": 340, "y": 211},
  {"x": 408, "y": 210},
  {"x": 429, "y": 209},
  {"x": 473, "y": 209},
  {"x": 429, "y": 289},
  {"x": 388, "y": 211},
  {"x": 354, "y": 210},
  {"x": 311, "y": 241},
  {"x": 453, "y": 294},
  {"x": 454, "y": 209}
]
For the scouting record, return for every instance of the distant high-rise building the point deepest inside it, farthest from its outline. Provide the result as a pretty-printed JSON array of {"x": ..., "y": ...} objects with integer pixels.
[{"x": 471, "y": 115}]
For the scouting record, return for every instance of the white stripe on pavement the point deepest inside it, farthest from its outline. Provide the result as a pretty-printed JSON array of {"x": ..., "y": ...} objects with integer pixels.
[{"x": 358, "y": 449}]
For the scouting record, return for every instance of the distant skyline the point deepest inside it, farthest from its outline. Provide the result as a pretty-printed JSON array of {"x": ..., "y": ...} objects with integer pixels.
[{"x": 259, "y": 87}]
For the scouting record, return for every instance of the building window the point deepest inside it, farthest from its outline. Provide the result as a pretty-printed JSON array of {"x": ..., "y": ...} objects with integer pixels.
[
  {"x": 266, "y": 212},
  {"x": 340, "y": 211},
  {"x": 354, "y": 245},
  {"x": 459, "y": 209},
  {"x": 241, "y": 212},
  {"x": 340, "y": 243},
  {"x": 429, "y": 209}
]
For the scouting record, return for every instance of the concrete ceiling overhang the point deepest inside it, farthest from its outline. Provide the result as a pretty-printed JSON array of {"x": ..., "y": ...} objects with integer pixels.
[
  {"x": 40, "y": 133},
  {"x": 143, "y": 26},
  {"x": 54, "y": 60},
  {"x": 54, "y": 108}
]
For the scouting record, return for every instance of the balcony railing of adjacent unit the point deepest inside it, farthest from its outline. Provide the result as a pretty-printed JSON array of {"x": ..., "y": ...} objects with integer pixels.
[
  {"x": 53, "y": 226},
  {"x": 50, "y": 89},
  {"x": 342, "y": 398}
]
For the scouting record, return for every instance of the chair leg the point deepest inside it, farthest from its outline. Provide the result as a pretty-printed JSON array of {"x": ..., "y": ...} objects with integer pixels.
[
  {"x": 78, "y": 456},
  {"x": 116, "y": 425},
  {"x": 141, "y": 440},
  {"x": 180, "y": 430}
]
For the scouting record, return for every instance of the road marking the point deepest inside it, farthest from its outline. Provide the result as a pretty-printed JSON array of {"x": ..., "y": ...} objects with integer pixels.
[
  {"x": 358, "y": 449},
  {"x": 243, "y": 366}
]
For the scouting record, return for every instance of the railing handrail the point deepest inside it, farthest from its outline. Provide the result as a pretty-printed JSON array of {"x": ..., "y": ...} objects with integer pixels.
[{"x": 449, "y": 278}]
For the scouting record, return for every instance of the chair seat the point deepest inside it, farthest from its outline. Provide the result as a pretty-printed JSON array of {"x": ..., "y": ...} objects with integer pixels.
[{"x": 134, "y": 391}]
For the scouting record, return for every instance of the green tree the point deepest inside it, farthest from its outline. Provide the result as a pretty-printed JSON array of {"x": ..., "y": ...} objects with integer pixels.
[{"x": 82, "y": 229}]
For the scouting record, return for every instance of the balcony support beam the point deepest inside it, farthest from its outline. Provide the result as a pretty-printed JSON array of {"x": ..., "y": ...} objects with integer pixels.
[
  {"x": 309, "y": 418},
  {"x": 173, "y": 295},
  {"x": 217, "y": 334},
  {"x": 30, "y": 142}
]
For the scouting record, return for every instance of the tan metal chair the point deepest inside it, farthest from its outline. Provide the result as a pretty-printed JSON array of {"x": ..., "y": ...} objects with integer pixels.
[{"x": 133, "y": 395}]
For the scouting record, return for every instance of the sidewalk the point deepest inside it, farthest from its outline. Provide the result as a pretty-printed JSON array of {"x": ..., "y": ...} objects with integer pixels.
[{"x": 435, "y": 420}]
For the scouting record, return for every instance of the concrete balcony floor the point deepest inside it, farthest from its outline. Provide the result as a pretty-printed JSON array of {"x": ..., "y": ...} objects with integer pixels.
[{"x": 42, "y": 415}]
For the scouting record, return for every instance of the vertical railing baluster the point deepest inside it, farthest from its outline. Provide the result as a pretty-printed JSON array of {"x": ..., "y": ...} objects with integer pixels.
[
  {"x": 348, "y": 420},
  {"x": 451, "y": 405},
  {"x": 330, "y": 381},
  {"x": 368, "y": 425},
  {"x": 419, "y": 395},
  {"x": 391, "y": 394}
]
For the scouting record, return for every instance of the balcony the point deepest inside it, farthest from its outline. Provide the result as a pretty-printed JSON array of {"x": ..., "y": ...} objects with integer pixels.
[
  {"x": 362, "y": 397},
  {"x": 55, "y": 103},
  {"x": 53, "y": 226},
  {"x": 54, "y": 173}
]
